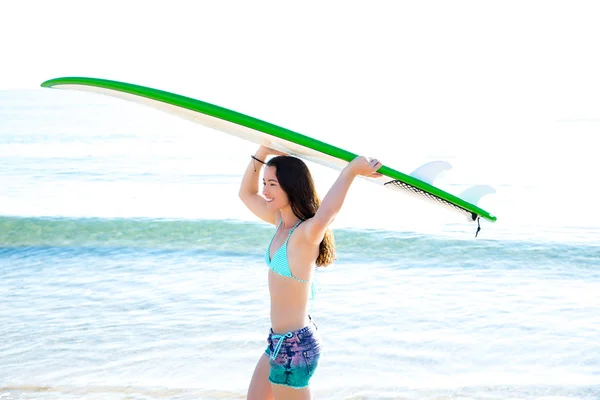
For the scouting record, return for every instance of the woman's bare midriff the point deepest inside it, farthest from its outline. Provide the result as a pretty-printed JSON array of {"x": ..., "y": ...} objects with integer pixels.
[{"x": 289, "y": 303}]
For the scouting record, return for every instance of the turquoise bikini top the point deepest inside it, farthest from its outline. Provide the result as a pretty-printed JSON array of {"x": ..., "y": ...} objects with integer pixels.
[{"x": 279, "y": 264}]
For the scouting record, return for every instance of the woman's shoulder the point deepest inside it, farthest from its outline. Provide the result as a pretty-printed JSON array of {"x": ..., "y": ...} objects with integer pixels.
[{"x": 308, "y": 233}]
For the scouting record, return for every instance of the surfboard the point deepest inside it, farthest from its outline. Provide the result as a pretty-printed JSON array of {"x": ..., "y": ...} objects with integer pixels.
[{"x": 417, "y": 183}]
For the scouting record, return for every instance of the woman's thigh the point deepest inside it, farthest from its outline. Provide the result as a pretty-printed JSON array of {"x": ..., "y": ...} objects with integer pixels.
[
  {"x": 260, "y": 387},
  {"x": 288, "y": 393}
]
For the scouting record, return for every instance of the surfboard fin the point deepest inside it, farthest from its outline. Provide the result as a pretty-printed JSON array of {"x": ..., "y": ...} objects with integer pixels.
[
  {"x": 475, "y": 193},
  {"x": 430, "y": 171}
]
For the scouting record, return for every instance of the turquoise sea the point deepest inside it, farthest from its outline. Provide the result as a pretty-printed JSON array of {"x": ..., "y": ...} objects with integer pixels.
[{"x": 129, "y": 269}]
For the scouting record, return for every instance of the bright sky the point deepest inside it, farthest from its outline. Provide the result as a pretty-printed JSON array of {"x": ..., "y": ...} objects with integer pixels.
[
  {"x": 499, "y": 76},
  {"x": 485, "y": 69},
  {"x": 480, "y": 55}
]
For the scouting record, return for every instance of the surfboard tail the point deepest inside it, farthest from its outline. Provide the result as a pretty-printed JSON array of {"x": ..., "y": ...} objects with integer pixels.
[{"x": 411, "y": 190}]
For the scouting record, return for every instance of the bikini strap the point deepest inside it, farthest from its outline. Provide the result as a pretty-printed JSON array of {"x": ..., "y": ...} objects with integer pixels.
[
  {"x": 292, "y": 230},
  {"x": 297, "y": 223},
  {"x": 271, "y": 242},
  {"x": 295, "y": 226}
]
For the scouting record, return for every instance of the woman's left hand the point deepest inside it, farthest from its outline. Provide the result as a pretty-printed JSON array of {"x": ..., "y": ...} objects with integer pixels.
[{"x": 365, "y": 166}]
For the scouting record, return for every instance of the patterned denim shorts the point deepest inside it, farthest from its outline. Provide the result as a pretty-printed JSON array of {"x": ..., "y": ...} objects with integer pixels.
[{"x": 294, "y": 356}]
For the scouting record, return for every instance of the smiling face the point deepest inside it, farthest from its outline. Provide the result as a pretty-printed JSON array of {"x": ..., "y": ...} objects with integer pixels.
[{"x": 272, "y": 191}]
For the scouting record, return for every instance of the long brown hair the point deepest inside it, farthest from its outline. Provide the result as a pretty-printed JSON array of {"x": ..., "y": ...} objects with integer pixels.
[{"x": 296, "y": 181}]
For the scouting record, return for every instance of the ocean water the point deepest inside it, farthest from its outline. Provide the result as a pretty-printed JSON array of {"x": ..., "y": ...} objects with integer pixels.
[{"x": 129, "y": 269}]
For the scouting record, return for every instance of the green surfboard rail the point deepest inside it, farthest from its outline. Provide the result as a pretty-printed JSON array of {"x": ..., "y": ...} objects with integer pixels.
[{"x": 262, "y": 126}]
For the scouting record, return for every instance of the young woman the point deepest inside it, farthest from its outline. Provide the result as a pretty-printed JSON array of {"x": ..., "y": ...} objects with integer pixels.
[{"x": 301, "y": 242}]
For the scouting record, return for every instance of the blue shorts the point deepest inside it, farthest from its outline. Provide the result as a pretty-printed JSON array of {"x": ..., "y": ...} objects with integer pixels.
[{"x": 294, "y": 356}]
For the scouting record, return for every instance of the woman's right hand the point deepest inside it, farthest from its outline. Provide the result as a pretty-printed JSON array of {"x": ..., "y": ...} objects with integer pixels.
[{"x": 265, "y": 151}]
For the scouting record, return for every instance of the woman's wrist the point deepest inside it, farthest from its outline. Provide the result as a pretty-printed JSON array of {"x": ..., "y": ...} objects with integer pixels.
[
  {"x": 258, "y": 159},
  {"x": 348, "y": 170},
  {"x": 262, "y": 153}
]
